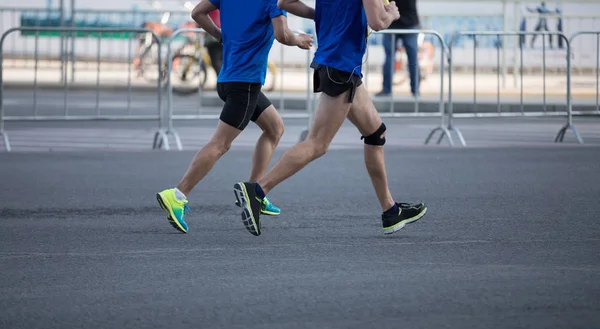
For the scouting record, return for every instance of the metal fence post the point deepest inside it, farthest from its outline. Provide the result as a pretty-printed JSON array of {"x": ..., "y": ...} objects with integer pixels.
[
  {"x": 544, "y": 70},
  {"x": 521, "y": 76},
  {"x": 281, "y": 100},
  {"x": 309, "y": 103},
  {"x": 160, "y": 137},
  {"x": 98, "y": 47},
  {"x": 169, "y": 60},
  {"x": 475, "y": 73},
  {"x": 450, "y": 127},
  {"x": 35, "y": 73},
  {"x": 498, "y": 108},
  {"x": 170, "y": 129},
  {"x": 569, "y": 125},
  {"x": 2, "y": 132}
]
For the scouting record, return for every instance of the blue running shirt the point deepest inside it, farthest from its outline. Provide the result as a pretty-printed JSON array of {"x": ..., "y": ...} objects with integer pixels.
[
  {"x": 341, "y": 27},
  {"x": 247, "y": 38}
]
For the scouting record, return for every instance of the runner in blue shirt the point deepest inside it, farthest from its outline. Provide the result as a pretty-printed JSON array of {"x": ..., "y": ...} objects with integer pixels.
[
  {"x": 247, "y": 31},
  {"x": 341, "y": 27}
]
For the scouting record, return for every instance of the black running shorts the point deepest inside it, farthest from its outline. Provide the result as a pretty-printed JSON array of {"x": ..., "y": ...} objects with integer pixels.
[
  {"x": 334, "y": 82},
  {"x": 244, "y": 102}
]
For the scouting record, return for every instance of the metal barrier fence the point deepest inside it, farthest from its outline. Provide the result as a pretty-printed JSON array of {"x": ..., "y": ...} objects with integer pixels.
[
  {"x": 160, "y": 135},
  {"x": 568, "y": 108},
  {"x": 597, "y": 34},
  {"x": 444, "y": 132},
  {"x": 165, "y": 117}
]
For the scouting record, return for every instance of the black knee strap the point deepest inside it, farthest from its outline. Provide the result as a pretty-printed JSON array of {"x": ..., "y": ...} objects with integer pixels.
[{"x": 375, "y": 138}]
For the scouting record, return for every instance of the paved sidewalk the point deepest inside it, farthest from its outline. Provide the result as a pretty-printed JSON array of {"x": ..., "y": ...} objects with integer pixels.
[{"x": 289, "y": 80}]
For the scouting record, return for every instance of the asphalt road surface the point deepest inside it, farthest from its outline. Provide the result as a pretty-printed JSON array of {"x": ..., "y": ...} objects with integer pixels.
[{"x": 511, "y": 240}]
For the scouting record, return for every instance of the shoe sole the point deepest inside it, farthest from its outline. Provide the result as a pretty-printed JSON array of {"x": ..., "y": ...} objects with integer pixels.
[
  {"x": 397, "y": 227},
  {"x": 241, "y": 196},
  {"x": 264, "y": 212},
  {"x": 170, "y": 215}
]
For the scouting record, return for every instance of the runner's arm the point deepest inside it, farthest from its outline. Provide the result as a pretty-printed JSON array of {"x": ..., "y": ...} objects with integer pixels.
[
  {"x": 379, "y": 15},
  {"x": 200, "y": 16},
  {"x": 297, "y": 7},
  {"x": 282, "y": 31}
]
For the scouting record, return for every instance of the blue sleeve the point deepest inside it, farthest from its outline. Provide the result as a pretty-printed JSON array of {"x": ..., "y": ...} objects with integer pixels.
[
  {"x": 275, "y": 11},
  {"x": 216, "y": 3}
]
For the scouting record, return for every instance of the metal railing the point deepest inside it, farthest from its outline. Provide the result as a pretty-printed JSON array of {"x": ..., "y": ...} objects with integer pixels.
[
  {"x": 597, "y": 71},
  {"x": 160, "y": 134},
  {"x": 568, "y": 107},
  {"x": 444, "y": 132},
  {"x": 166, "y": 116}
]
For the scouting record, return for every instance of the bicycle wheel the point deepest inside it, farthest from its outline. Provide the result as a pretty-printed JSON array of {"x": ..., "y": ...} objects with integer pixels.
[{"x": 188, "y": 74}]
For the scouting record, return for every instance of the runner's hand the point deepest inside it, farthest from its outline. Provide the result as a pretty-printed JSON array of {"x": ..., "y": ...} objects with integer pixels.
[
  {"x": 304, "y": 41},
  {"x": 392, "y": 9}
]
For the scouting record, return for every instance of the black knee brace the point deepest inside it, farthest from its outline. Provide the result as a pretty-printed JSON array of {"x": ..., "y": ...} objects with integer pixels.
[{"x": 375, "y": 138}]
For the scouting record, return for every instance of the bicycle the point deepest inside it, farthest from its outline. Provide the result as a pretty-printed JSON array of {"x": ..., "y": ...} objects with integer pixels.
[
  {"x": 146, "y": 60},
  {"x": 195, "y": 61},
  {"x": 190, "y": 62}
]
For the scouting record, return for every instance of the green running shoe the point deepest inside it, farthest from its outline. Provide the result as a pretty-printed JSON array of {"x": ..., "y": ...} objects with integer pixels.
[{"x": 174, "y": 208}]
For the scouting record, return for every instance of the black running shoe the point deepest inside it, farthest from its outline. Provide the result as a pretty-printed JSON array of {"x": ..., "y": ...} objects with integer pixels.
[
  {"x": 245, "y": 194},
  {"x": 409, "y": 213}
]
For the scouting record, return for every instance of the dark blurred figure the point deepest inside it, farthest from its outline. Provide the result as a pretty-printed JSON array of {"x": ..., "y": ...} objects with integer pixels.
[
  {"x": 559, "y": 28},
  {"x": 522, "y": 28},
  {"x": 409, "y": 20},
  {"x": 542, "y": 23}
]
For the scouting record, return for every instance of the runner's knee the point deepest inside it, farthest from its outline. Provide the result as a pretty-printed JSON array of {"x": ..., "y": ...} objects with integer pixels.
[
  {"x": 318, "y": 148},
  {"x": 377, "y": 138},
  {"x": 271, "y": 125},
  {"x": 220, "y": 146},
  {"x": 276, "y": 131}
]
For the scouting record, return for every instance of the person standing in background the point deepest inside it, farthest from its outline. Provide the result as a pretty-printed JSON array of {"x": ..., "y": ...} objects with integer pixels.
[
  {"x": 409, "y": 20},
  {"x": 559, "y": 28},
  {"x": 542, "y": 24}
]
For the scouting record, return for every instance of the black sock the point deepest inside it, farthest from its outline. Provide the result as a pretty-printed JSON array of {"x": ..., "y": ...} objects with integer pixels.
[
  {"x": 393, "y": 211},
  {"x": 259, "y": 191}
]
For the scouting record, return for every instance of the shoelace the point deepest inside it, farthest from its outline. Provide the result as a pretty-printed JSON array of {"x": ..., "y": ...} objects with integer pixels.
[{"x": 186, "y": 209}]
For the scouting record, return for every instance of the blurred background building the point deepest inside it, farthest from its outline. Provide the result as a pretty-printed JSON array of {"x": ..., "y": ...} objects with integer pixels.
[{"x": 446, "y": 17}]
